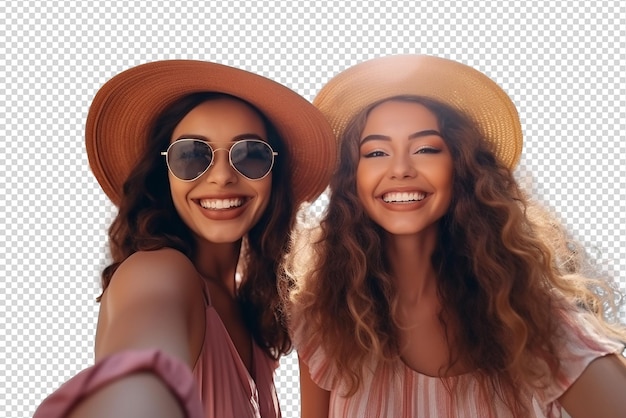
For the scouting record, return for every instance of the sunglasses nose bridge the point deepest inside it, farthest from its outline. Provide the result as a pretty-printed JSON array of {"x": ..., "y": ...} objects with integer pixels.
[
  {"x": 217, "y": 161},
  {"x": 214, "y": 152}
]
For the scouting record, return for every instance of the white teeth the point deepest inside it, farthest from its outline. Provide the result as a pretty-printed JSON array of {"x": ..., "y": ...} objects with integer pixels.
[
  {"x": 217, "y": 204},
  {"x": 403, "y": 197}
]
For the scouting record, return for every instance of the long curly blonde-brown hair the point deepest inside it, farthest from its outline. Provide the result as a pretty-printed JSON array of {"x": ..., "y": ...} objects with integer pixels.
[{"x": 498, "y": 279}]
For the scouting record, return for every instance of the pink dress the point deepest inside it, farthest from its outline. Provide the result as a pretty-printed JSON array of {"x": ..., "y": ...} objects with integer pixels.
[
  {"x": 395, "y": 390},
  {"x": 226, "y": 387},
  {"x": 218, "y": 387}
]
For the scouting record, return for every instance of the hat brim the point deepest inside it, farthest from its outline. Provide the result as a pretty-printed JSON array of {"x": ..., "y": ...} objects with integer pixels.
[
  {"x": 125, "y": 108},
  {"x": 447, "y": 81}
]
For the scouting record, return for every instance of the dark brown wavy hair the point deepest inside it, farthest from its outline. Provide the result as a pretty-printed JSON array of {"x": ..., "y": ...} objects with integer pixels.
[
  {"x": 147, "y": 220},
  {"x": 498, "y": 282}
]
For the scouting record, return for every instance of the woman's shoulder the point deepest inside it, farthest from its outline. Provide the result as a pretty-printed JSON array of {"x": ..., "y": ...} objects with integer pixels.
[
  {"x": 159, "y": 275},
  {"x": 580, "y": 338},
  {"x": 153, "y": 300},
  {"x": 161, "y": 264},
  {"x": 162, "y": 257}
]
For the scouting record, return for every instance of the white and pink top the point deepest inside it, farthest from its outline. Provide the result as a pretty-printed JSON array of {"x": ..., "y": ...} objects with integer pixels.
[{"x": 395, "y": 390}]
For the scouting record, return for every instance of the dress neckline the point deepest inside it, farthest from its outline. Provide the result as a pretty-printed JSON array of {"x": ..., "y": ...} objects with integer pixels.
[{"x": 211, "y": 311}]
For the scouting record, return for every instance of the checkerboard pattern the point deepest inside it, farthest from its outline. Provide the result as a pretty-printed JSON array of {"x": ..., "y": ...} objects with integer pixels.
[{"x": 561, "y": 62}]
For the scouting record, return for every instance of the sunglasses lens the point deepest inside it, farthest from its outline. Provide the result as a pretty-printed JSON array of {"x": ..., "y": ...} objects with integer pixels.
[
  {"x": 188, "y": 159},
  {"x": 254, "y": 159}
]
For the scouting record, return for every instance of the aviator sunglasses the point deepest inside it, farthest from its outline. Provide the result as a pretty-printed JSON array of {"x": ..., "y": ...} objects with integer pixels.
[{"x": 189, "y": 158}]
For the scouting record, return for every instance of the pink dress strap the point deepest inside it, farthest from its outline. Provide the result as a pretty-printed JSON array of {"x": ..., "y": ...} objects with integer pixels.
[
  {"x": 172, "y": 372},
  {"x": 226, "y": 387}
]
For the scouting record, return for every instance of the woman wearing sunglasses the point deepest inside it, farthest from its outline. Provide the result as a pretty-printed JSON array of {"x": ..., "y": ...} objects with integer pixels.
[
  {"x": 431, "y": 290},
  {"x": 207, "y": 165}
]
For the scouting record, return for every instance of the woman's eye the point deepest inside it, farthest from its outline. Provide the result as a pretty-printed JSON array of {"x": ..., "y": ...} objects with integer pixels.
[
  {"x": 374, "y": 154},
  {"x": 192, "y": 155},
  {"x": 427, "y": 150}
]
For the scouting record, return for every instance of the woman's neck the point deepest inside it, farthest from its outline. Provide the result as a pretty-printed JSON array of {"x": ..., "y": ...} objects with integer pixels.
[
  {"x": 411, "y": 265},
  {"x": 218, "y": 263}
]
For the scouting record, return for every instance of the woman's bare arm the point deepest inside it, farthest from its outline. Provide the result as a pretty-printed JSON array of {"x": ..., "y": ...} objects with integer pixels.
[
  {"x": 314, "y": 401},
  {"x": 153, "y": 301},
  {"x": 600, "y": 391}
]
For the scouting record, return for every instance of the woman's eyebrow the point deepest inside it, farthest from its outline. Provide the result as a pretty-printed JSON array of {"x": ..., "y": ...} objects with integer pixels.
[
  {"x": 235, "y": 138},
  {"x": 248, "y": 136},
  {"x": 418, "y": 134},
  {"x": 192, "y": 136}
]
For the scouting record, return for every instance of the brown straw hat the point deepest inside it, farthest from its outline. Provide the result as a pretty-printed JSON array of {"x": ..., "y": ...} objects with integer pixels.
[
  {"x": 125, "y": 108},
  {"x": 450, "y": 82}
]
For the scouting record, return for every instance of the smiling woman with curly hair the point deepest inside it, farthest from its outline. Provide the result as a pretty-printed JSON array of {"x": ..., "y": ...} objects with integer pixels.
[{"x": 429, "y": 289}]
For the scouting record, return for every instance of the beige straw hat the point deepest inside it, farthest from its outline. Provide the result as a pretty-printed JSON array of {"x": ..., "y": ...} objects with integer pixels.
[
  {"x": 447, "y": 81},
  {"x": 125, "y": 108}
]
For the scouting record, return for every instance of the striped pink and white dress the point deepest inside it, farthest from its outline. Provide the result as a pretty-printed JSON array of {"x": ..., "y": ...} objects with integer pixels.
[{"x": 395, "y": 390}]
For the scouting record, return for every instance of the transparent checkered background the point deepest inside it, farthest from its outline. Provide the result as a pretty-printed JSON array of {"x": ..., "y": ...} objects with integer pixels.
[{"x": 563, "y": 64}]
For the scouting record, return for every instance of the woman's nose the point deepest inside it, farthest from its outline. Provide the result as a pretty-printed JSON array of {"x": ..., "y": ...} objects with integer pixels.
[
  {"x": 402, "y": 166},
  {"x": 221, "y": 172}
]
